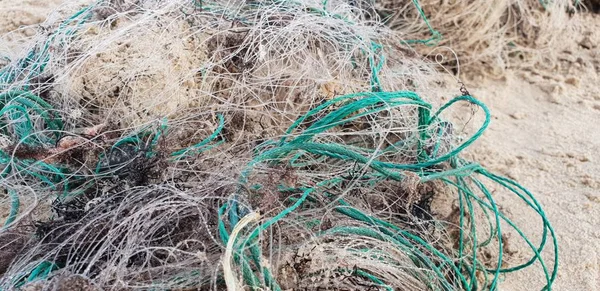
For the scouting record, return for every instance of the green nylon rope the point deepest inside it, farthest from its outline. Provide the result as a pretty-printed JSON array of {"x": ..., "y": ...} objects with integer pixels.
[
  {"x": 436, "y": 36},
  {"x": 386, "y": 170},
  {"x": 14, "y": 207}
]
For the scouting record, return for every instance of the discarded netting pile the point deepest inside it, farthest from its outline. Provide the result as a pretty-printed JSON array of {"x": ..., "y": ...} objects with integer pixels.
[{"x": 253, "y": 145}]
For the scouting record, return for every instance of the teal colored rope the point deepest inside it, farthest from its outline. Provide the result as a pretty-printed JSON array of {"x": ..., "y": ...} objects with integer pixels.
[
  {"x": 435, "y": 35},
  {"x": 14, "y": 207},
  {"x": 201, "y": 146},
  {"x": 352, "y": 107}
]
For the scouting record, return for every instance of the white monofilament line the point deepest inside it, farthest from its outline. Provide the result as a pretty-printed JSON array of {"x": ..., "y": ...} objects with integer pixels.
[{"x": 227, "y": 270}]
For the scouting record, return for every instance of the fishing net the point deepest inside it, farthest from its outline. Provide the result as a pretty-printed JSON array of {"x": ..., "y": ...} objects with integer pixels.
[{"x": 247, "y": 145}]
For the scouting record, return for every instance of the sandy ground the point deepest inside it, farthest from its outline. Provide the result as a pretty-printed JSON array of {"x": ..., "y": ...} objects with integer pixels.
[
  {"x": 16, "y": 14},
  {"x": 544, "y": 134}
]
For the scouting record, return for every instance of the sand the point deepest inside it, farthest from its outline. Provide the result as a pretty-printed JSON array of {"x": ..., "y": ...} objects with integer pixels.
[
  {"x": 16, "y": 14},
  {"x": 544, "y": 134}
]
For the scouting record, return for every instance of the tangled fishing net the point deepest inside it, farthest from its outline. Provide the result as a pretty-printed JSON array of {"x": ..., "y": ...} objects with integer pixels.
[{"x": 257, "y": 145}]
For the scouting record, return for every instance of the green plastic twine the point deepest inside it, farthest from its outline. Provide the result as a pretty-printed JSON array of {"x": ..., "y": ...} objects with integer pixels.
[
  {"x": 353, "y": 107},
  {"x": 436, "y": 36},
  {"x": 14, "y": 207},
  {"x": 201, "y": 146}
]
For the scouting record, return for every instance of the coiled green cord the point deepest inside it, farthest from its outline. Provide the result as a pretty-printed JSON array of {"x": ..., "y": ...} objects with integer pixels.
[
  {"x": 14, "y": 207},
  {"x": 460, "y": 176}
]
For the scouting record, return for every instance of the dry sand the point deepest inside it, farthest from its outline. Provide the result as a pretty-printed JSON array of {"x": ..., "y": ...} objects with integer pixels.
[
  {"x": 15, "y": 14},
  {"x": 545, "y": 134}
]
